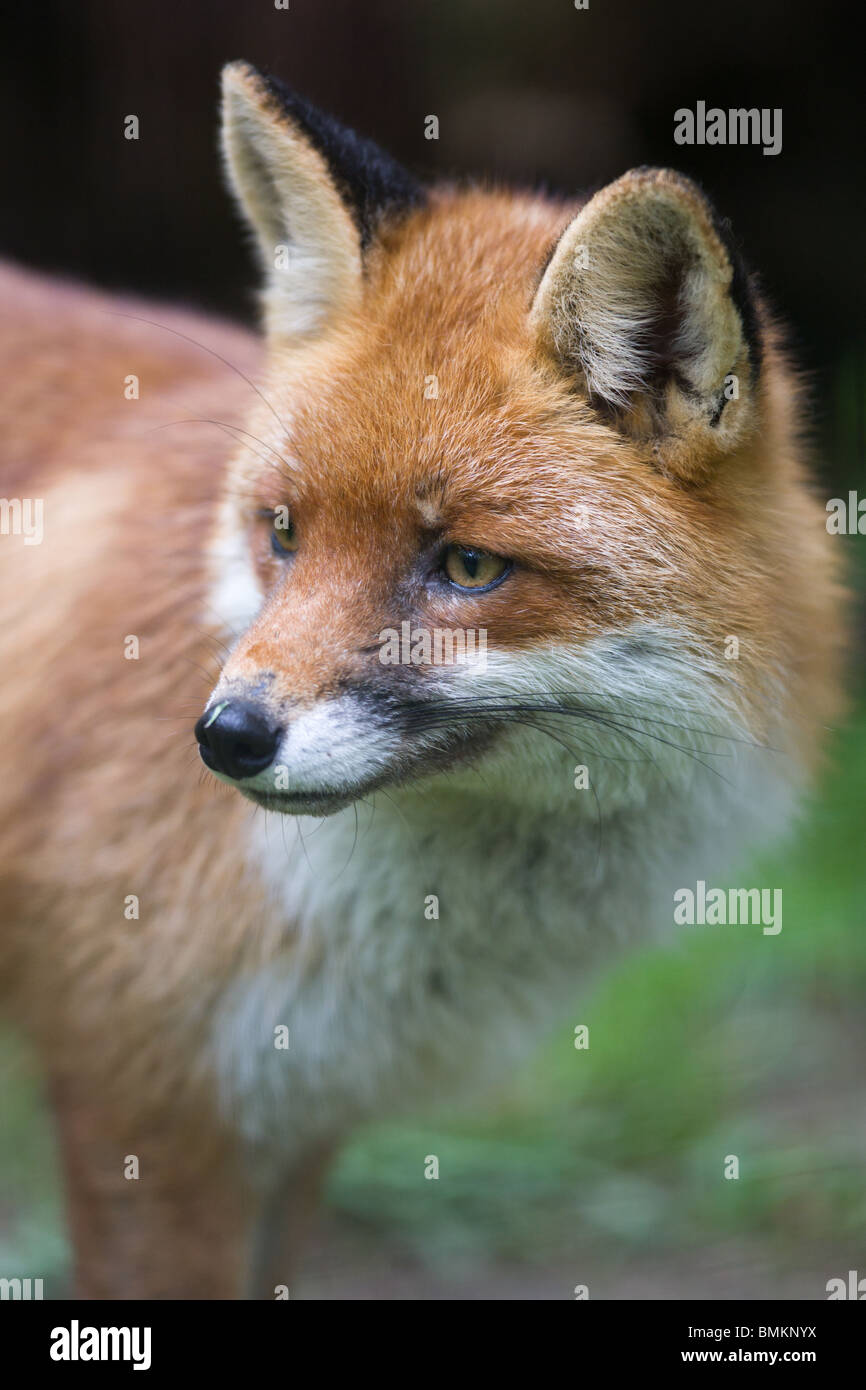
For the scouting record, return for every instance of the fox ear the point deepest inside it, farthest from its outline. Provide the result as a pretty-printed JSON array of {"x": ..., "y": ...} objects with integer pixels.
[
  {"x": 644, "y": 300},
  {"x": 314, "y": 194}
]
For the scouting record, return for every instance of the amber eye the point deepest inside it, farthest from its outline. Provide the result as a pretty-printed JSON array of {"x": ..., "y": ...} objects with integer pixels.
[
  {"x": 283, "y": 538},
  {"x": 469, "y": 568}
]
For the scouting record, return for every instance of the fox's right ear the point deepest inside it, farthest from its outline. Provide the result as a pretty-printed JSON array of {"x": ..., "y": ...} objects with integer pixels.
[
  {"x": 314, "y": 194},
  {"x": 645, "y": 300}
]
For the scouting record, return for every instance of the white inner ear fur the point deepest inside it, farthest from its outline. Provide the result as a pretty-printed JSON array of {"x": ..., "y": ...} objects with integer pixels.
[
  {"x": 307, "y": 241},
  {"x": 599, "y": 299}
]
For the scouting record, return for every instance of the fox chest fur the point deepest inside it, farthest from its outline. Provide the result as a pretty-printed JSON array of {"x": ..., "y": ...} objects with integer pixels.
[{"x": 430, "y": 948}]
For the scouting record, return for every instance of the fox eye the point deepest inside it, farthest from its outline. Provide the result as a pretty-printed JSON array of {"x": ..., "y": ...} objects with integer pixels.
[
  {"x": 284, "y": 540},
  {"x": 468, "y": 568}
]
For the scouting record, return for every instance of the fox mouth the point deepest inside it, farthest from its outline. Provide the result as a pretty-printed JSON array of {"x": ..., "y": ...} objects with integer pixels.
[
  {"x": 421, "y": 741},
  {"x": 463, "y": 747},
  {"x": 303, "y": 803}
]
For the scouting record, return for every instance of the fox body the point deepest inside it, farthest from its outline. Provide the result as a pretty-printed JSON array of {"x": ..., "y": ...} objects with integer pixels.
[{"x": 567, "y": 426}]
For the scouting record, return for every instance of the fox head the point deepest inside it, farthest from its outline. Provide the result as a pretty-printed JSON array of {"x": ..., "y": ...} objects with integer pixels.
[{"x": 500, "y": 503}]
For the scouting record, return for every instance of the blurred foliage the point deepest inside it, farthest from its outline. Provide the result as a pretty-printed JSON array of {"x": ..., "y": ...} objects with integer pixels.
[{"x": 32, "y": 1239}]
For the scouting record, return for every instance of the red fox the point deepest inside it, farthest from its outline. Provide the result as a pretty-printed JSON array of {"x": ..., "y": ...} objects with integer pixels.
[{"x": 568, "y": 429}]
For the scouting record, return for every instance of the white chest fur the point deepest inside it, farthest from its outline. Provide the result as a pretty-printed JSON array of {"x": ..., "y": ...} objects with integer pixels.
[{"x": 387, "y": 1005}]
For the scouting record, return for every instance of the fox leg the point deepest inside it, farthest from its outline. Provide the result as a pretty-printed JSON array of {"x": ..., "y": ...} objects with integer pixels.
[
  {"x": 283, "y": 1226},
  {"x": 178, "y": 1230}
]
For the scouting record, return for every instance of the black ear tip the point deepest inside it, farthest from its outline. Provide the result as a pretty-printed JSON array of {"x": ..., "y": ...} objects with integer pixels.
[
  {"x": 288, "y": 97},
  {"x": 373, "y": 184}
]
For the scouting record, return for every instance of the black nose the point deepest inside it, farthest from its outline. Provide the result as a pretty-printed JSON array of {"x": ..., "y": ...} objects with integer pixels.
[{"x": 236, "y": 738}]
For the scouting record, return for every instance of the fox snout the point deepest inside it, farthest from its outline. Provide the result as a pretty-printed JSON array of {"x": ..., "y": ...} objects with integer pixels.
[
  {"x": 237, "y": 738},
  {"x": 302, "y": 755},
  {"x": 296, "y": 758},
  {"x": 316, "y": 755}
]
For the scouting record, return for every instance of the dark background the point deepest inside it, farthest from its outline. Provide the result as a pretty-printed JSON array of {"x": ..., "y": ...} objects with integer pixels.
[{"x": 531, "y": 91}]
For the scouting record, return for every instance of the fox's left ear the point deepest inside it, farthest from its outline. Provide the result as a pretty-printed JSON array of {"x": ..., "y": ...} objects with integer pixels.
[
  {"x": 314, "y": 193},
  {"x": 644, "y": 300}
]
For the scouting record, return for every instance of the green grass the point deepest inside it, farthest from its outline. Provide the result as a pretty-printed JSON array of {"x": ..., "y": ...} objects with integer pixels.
[{"x": 32, "y": 1240}]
